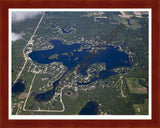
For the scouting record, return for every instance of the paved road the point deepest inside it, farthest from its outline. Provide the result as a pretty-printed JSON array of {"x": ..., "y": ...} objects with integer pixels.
[
  {"x": 24, "y": 54},
  {"x": 29, "y": 92}
]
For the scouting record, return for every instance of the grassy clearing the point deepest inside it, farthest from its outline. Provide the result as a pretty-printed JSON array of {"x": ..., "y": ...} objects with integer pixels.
[
  {"x": 135, "y": 87},
  {"x": 141, "y": 109}
]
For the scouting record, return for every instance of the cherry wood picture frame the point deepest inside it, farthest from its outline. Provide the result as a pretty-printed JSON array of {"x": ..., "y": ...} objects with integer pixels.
[{"x": 106, "y": 4}]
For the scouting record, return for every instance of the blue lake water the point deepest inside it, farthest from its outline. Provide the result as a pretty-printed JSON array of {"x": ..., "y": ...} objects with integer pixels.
[
  {"x": 91, "y": 108},
  {"x": 111, "y": 56},
  {"x": 102, "y": 75}
]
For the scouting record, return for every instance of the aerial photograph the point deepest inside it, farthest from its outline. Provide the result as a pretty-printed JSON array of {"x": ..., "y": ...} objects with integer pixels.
[{"x": 91, "y": 62}]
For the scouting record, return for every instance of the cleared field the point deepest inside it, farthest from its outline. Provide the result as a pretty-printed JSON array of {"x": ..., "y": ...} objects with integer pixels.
[
  {"x": 23, "y": 95},
  {"x": 141, "y": 109},
  {"x": 135, "y": 87}
]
